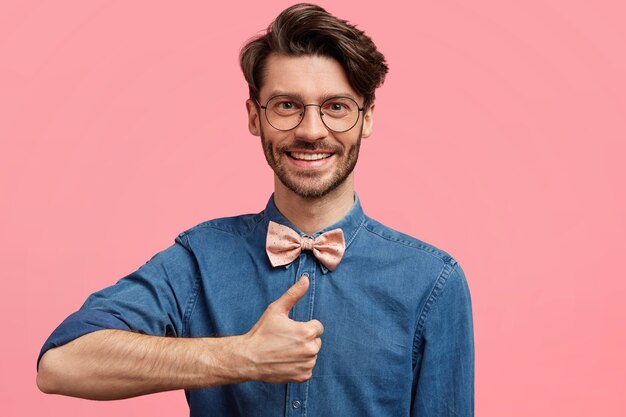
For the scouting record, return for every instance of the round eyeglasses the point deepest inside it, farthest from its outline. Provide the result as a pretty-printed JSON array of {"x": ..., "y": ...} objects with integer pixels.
[{"x": 338, "y": 114}]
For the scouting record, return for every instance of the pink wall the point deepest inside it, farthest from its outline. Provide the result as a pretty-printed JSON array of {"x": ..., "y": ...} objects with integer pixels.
[{"x": 499, "y": 136}]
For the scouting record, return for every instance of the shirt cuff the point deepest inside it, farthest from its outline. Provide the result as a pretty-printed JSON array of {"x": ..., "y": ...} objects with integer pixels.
[{"x": 79, "y": 324}]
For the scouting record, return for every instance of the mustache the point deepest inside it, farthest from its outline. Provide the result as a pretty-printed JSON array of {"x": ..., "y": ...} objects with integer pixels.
[{"x": 310, "y": 146}]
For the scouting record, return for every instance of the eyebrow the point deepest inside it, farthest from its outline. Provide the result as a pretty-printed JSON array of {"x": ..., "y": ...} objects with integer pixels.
[{"x": 299, "y": 96}]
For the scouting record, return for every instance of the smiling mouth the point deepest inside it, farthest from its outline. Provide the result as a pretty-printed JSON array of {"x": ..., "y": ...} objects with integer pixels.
[{"x": 308, "y": 156}]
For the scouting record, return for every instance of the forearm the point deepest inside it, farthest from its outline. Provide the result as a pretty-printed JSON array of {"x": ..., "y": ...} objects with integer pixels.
[{"x": 115, "y": 364}]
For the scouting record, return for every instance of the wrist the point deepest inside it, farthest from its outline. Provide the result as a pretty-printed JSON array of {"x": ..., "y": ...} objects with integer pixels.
[
  {"x": 227, "y": 360},
  {"x": 243, "y": 358}
]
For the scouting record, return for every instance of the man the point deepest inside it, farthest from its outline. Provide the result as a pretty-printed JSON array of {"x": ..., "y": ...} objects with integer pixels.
[{"x": 235, "y": 312}]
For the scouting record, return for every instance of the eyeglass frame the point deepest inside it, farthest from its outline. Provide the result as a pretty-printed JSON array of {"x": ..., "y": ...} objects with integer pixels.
[{"x": 359, "y": 109}]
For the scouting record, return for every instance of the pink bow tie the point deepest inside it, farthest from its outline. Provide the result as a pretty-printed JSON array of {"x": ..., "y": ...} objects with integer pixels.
[{"x": 284, "y": 244}]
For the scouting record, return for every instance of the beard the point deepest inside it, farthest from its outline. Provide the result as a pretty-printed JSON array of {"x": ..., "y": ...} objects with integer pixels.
[{"x": 306, "y": 184}]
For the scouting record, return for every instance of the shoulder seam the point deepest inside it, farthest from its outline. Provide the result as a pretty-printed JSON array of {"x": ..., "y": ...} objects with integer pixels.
[
  {"x": 435, "y": 292},
  {"x": 428, "y": 249},
  {"x": 192, "y": 299},
  {"x": 208, "y": 224}
]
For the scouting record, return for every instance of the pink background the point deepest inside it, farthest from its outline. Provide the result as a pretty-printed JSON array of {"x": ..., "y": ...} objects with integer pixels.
[{"x": 499, "y": 137}]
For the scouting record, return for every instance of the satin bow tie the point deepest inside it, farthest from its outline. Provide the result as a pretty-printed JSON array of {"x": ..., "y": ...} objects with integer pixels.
[{"x": 284, "y": 244}]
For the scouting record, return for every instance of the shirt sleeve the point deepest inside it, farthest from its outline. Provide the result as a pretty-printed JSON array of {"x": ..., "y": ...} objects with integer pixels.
[
  {"x": 151, "y": 300},
  {"x": 443, "y": 383}
]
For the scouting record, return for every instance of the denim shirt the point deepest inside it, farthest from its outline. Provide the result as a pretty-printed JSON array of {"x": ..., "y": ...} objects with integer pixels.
[{"x": 398, "y": 338}]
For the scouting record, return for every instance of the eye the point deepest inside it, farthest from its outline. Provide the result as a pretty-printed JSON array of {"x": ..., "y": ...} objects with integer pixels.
[
  {"x": 286, "y": 105},
  {"x": 338, "y": 107}
]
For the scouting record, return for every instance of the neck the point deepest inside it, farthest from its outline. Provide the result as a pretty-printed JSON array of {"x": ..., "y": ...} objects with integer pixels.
[{"x": 312, "y": 215}]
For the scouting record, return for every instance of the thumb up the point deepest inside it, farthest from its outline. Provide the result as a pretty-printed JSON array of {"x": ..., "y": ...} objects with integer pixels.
[
  {"x": 289, "y": 299},
  {"x": 282, "y": 350}
]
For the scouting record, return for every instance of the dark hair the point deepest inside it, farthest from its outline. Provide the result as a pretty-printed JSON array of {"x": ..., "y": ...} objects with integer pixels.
[{"x": 307, "y": 29}]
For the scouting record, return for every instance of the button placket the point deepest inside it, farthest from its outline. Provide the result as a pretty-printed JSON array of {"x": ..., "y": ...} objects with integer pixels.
[{"x": 297, "y": 393}]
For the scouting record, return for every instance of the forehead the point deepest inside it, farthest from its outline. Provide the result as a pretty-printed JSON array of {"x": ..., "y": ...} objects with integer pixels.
[{"x": 308, "y": 76}]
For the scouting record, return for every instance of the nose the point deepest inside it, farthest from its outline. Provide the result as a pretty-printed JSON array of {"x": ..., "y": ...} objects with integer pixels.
[{"x": 311, "y": 128}]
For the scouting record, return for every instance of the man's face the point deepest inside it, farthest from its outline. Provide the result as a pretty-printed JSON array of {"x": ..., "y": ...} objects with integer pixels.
[{"x": 310, "y": 160}]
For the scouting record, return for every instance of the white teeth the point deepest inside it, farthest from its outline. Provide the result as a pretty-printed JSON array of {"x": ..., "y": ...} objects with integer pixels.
[{"x": 309, "y": 156}]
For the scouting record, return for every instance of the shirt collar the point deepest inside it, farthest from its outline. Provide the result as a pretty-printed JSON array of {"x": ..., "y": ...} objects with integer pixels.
[{"x": 349, "y": 224}]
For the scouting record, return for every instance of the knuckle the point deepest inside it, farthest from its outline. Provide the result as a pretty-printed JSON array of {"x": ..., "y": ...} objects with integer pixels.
[
  {"x": 316, "y": 327},
  {"x": 312, "y": 349},
  {"x": 319, "y": 326},
  {"x": 303, "y": 376},
  {"x": 310, "y": 333},
  {"x": 302, "y": 331}
]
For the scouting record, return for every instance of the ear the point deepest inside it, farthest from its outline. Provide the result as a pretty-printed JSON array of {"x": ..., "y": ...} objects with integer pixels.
[
  {"x": 368, "y": 121},
  {"x": 254, "y": 119}
]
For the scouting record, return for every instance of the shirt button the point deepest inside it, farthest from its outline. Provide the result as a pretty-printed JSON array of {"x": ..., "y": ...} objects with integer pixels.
[
  {"x": 305, "y": 274},
  {"x": 296, "y": 404}
]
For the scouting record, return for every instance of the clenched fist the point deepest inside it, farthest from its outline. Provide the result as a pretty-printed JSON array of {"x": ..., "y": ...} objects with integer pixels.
[{"x": 282, "y": 350}]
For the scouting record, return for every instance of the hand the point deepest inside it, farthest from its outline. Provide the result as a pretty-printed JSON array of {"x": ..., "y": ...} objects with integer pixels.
[{"x": 283, "y": 350}]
